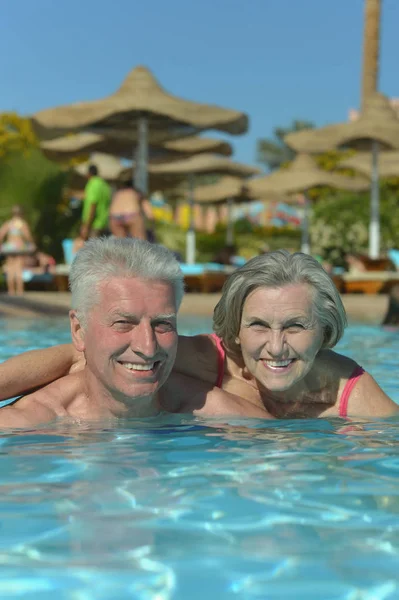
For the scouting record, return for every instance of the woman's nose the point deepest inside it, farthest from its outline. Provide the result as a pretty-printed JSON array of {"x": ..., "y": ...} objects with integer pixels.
[{"x": 276, "y": 342}]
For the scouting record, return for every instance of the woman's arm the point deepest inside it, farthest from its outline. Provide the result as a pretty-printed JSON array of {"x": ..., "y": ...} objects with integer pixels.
[
  {"x": 3, "y": 231},
  {"x": 27, "y": 233},
  {"x": 33, "y": 369},
  {"x": 147, "y": 209}
]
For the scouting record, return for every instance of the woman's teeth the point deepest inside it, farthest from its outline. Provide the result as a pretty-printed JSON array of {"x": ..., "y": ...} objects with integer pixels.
[{"x": 278, "y": 364}]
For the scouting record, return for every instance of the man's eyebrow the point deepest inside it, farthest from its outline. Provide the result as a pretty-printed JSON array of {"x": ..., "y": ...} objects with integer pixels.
[
  {"x": 164, "y": 317},
  {"x": 126, "y": 315}
]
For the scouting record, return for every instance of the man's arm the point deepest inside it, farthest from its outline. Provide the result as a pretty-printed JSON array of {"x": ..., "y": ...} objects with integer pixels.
[
  {"x": 26, "y": 414},
  {"x": 197, "y": 357},
  {"x": 36, "y": 368}
]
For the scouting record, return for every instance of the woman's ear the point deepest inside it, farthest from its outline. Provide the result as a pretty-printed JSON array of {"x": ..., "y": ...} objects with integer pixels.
[{"x": 77, "y": 332}]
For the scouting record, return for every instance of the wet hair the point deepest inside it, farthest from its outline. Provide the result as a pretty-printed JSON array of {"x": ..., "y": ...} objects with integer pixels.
[
  {"x": 275, "y": 270},
  {"x": 93, "y": 170},
  {"x": 105, "y": 258}
]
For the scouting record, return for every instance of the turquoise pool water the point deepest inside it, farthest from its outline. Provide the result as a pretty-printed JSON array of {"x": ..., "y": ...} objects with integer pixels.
[{"x": 184, "y": 508}]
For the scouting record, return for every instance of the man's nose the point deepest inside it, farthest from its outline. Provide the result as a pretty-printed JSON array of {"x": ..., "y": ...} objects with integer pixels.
[
  {"x": 143, "y": 340},
  {"x": 276, "y": 342}
]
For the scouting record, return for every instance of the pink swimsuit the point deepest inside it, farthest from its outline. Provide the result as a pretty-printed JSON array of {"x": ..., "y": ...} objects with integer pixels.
[{"x": 343, "y": 403}]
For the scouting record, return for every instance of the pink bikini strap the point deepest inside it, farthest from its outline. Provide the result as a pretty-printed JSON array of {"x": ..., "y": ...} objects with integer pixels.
[
  {"x": 221, "y": 357},
  {"x": 350, "y": 384}
]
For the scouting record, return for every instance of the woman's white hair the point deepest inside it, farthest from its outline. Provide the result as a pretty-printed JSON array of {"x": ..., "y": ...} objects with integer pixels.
[
  {"x": 275, "y": 270},
  {"x": 106, "y": 257}
]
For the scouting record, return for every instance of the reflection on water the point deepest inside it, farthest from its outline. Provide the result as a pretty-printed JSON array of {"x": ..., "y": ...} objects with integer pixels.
[{"x": 177, "y": 507}]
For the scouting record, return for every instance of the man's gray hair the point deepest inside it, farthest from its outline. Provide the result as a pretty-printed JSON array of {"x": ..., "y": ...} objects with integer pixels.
[
  {"x": 274, "y": 270},
  {"x": 106, "y": 257}
]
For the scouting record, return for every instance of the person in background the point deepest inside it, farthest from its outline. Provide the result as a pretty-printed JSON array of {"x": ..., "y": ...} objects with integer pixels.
[
  {"x": 19, "y": 243},
  {"x": 129, "y": 212},
  {"x": 97, "y": 198}
]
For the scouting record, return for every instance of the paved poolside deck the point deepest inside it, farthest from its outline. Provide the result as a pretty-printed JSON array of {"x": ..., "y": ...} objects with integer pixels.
[{"x": 360, "y": 307}]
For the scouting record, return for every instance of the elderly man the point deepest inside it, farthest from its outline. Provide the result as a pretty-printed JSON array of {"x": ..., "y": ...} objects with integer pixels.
[{"x": 125, "y": 297}]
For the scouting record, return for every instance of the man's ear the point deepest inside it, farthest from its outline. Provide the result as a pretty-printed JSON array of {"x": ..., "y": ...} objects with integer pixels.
[{"x": 77, "y": 332}]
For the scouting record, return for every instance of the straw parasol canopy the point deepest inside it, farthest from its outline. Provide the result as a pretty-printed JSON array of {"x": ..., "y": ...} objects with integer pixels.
[
  {"x": 231, "y": 187},
  {"x": 302, "y": 175},
  {"x": 140, "y": 93},
  {"x": 120, "y": 144},
  {"x": 378, "y": 122},
  {"x": 376, "y": 128},
  {"x": 141, "y": 106},
  {"x": 388, "y": 164},
  {"x": 202, "y": 164},
  {"x": 209, "y": 164},
  {"x": 226, "y": 188}
]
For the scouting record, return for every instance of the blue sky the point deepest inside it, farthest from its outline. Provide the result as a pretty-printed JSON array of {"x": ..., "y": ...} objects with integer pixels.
[{"x": 276, "y": 60}]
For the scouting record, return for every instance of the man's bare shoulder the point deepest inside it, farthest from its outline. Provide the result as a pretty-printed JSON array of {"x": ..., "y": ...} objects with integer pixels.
[{"x": 43, "y": 406}]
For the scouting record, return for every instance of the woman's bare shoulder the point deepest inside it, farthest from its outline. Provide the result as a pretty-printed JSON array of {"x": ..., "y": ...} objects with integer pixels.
[{"x": 367, "y": 399}]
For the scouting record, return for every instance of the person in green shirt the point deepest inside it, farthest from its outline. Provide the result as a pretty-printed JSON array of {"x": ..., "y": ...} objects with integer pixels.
[{"x": 97, "y": 199}]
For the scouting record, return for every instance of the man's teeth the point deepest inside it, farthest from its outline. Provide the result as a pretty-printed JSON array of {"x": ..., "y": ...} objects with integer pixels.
[
  {"x": 278, "y": 363},
  {"x": 138, "y": 367}
]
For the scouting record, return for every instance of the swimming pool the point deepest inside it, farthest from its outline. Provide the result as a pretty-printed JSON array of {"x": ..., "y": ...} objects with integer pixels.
[{"x": 184, "y": 508}]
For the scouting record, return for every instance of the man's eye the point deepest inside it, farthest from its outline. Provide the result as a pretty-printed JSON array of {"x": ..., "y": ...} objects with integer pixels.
[
  {"x": 164, "y": 326},
  {"x": 122, "y": 323}
]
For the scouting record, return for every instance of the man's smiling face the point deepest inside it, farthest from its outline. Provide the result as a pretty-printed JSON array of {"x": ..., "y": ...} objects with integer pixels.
[{"x": 130, "y": 341}]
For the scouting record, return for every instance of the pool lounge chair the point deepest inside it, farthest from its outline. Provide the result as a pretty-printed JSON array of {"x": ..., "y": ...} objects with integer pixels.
[
  {"x": 205, "y": 278},
  {"x": 370, "y": 282},
  {"x": 33, "y": 281}
]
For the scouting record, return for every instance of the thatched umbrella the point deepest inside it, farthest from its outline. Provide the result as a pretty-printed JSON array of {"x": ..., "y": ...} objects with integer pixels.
[
  {"x": 229, "y": 190},
  {"x": 120, "y": 144},
  {"x": 142, "y": 107},
  {"x": 298, "y": 178},
  {"x": 388, "y": 163},
  {"x": 202, "y": 164},
  {"x": 376, "y": 128}
]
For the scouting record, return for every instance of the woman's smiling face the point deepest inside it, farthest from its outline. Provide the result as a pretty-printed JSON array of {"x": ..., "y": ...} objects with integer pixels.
[{"x": 280, "y": 335}]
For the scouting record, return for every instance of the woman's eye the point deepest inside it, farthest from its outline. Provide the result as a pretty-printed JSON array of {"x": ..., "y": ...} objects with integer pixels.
[
  {"x": 258, "y": 324},
  {"x": 295, "y": 327}
]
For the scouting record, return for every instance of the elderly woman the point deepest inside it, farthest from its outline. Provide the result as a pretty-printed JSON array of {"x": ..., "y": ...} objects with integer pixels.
[{"x": 270, "y": 356}]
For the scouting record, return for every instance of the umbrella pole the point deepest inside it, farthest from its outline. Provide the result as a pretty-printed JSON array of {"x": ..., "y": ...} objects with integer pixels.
[
  {"x": 374, "y": 227},
  {"x": 305, "y": 243},
  {"x": 230, "y": 224},
  {"x": 190, "y": 236},
  {"x": 141, "y": 157}
]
